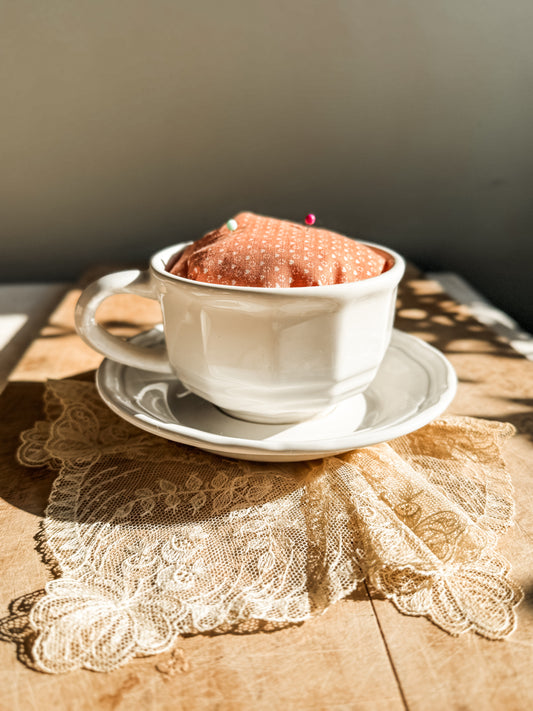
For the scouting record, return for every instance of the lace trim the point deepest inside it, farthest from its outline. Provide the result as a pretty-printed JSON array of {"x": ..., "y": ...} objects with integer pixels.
[{"x": 153, "y": 540}]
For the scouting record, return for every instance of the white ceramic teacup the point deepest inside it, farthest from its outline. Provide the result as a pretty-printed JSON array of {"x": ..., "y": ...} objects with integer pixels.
[{"x": 265, "y": 355}]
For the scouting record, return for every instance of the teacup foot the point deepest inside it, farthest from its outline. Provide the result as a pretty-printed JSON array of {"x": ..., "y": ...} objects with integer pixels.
[{"x": 289, "y": 419}]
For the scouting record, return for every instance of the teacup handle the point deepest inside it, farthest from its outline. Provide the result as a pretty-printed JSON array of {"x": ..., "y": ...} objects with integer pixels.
[{"x": 131, "y": 281}]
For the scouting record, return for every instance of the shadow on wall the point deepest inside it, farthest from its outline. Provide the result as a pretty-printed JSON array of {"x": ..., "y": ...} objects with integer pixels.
[{"x": 402, "y": 124}]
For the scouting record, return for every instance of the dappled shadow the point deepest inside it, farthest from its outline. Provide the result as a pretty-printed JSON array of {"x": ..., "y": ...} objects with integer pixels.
[
  {"x": 522, "y": 420},
  {"x": 425, "y": 311}
]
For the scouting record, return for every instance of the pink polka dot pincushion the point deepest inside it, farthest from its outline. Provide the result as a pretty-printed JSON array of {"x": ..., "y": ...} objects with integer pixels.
[{"x": 267, "y": 252}]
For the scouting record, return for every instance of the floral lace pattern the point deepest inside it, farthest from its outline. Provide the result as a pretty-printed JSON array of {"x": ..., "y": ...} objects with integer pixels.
[{"x": 152, "y": 539}]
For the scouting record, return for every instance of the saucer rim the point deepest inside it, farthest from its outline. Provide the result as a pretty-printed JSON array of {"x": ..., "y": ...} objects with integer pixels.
[{"x": 224, "y": 444}]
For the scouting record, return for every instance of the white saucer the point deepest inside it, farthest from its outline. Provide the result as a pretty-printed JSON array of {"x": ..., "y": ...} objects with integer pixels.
[{"x": 414, "y": 384}]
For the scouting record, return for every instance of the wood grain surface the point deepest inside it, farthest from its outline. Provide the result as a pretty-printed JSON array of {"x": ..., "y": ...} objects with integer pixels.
[{"x": 361, "y": 654}]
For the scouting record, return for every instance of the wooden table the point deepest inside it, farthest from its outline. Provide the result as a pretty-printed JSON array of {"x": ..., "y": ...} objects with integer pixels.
[{"x": 361, "y": 654}]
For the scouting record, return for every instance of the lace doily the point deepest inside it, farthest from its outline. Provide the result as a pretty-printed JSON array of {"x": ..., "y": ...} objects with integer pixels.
[{"x": 151, "y": 539}]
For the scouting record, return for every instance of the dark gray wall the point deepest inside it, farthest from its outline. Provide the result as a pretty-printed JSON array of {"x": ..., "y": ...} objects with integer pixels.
[{"x": 130, "y": 125}]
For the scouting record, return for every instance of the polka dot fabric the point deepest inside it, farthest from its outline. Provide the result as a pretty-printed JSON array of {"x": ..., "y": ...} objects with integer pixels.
[{"x": 271, "y": 253}]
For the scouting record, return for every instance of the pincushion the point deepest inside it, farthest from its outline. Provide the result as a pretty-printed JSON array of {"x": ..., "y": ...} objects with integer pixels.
[{"x": 252, "y": 250}]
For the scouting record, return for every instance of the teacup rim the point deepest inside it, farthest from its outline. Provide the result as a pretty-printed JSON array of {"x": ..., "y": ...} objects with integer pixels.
[{"x": 393, "y": 275}]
